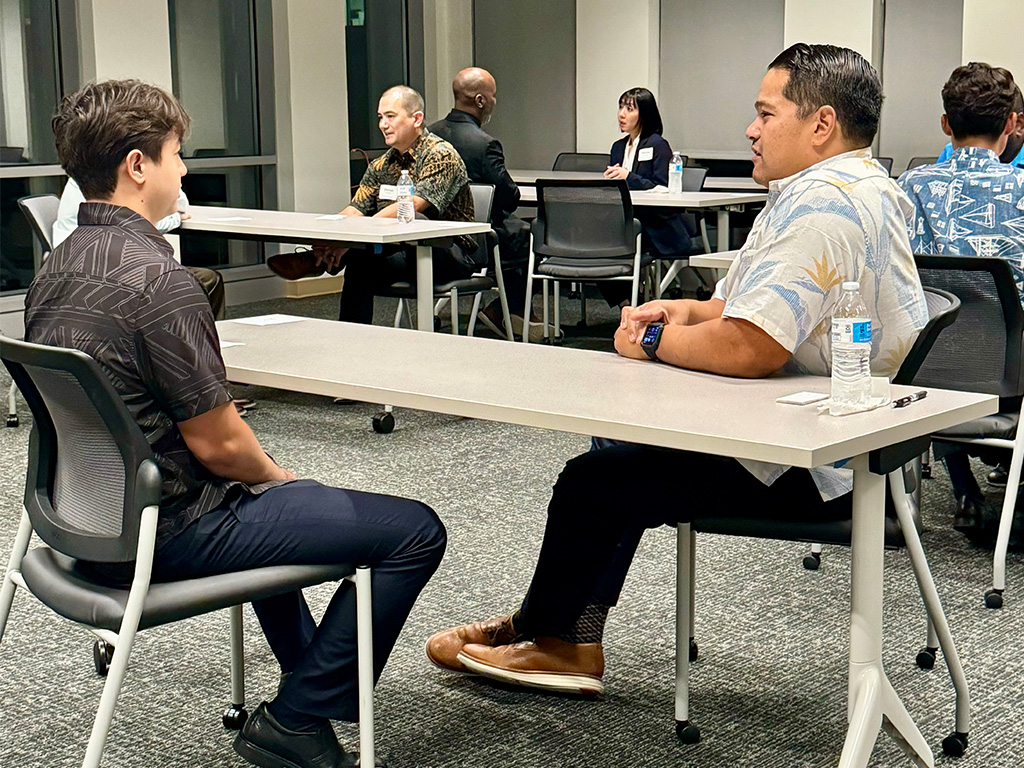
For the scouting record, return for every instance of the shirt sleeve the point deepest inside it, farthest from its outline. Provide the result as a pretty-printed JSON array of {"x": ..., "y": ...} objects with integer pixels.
[
  {"x": 441, "y": 177},
  {"x": 506, "y": 192},
  {"x": 365, "y": 198},
  {"x": 788, "y": 287},
  {"x": 177, "y": 347}
]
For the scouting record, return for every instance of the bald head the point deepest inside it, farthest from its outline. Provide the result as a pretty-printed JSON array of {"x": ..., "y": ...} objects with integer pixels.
[
  {"x": 407, "y": 97},
  {"x": 475, "y": 92}
]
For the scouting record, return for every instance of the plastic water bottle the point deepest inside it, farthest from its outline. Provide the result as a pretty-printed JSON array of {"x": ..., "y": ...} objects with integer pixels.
[
  {"x": 851, "y": 353},
  {"x": 406, "y": 210},
  {"x": 675, "y": 174}
]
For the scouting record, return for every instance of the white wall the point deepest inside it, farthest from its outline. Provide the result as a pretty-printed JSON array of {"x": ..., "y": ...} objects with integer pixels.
[
  {"x": 447, "y": 49},
  {"x": 617, "y": 48},
  {"x": 847, "y": 23},
  {"x": 126, "y": 39},
  {"x": 199, "y": 21},
  {"x": 12, "y": 63},
  {"x": 312, "y": 108},
  {"x": 992, "y": 33}
]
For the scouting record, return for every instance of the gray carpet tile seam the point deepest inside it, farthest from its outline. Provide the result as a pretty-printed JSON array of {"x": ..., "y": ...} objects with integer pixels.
[{"x": 768, "y": 690}]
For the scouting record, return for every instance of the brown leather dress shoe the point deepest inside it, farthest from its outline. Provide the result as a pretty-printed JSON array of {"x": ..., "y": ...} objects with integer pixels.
[
  {"x": 444, "y": 647},
  {"x": 547, "y": 663},
  {"x": 298, "y": 264}
]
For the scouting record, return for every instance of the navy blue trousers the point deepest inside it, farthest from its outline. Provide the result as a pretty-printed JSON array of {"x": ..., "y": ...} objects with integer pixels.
[{"x": 305, "y": 522}]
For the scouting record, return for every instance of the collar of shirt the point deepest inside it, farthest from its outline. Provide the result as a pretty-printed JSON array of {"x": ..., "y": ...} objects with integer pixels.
[
  {"x": 777, "y": 187},
  {"x": 107, "y": 215},
  {"x": 972, "y": 159},
  {"x": 459, "y": 116},
  {"x": 406, "y": 160}
]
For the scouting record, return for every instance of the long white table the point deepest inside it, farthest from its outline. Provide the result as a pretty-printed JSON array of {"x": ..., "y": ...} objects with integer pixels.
[
  {"x": 711, "y": 183},
  {"x": 595, "y": 393},
  {"x": 313, "y": 228},
  {"x": 721, "y": 260}
]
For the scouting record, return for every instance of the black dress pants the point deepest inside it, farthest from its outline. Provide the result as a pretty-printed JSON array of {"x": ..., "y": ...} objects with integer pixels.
[
  {"x": 605, "y": 499},
  {"x": 305, "y": 522}
]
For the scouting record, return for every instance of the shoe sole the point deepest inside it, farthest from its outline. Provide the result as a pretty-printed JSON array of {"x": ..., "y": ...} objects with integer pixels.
[
  {"x": 560, "y": 682},
  {"x": 259, "y": 756}
]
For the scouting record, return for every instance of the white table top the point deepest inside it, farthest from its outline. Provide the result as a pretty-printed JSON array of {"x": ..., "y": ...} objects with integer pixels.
[
  {"x": 642, "y": 197},
  {"x": 581, "y": 391},
  {"x": 711, "y": 183},
  {"x": 721, "y": 260},
  {"x": 290, "y": 227},
  {"x": 732, "y": 183}
]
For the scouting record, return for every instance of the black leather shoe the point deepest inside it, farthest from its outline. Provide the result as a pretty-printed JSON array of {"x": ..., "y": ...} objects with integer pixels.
[{"x": 266, "y": 743}]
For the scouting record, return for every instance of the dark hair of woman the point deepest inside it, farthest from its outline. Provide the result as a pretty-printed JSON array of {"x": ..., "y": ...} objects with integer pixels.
[{"x": 650, "y": 117}]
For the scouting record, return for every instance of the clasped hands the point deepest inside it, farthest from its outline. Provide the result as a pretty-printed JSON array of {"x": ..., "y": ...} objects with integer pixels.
[
  {"x": 331, "y": 255},
  {"x": 634, "y": 322},
  {"x": 615, "y": 172}
]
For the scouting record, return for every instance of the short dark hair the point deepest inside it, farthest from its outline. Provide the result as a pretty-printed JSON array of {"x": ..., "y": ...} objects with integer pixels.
[
  {"x": 978, "y": 99},
  {"x": 96, "y": 127},
  {"x": 650, "y": 116},
  {"x": 822, "y": 75}
]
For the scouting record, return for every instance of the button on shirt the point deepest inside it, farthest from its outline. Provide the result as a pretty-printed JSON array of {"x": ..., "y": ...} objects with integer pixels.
[
  {"x": 113, "y": 290},
  {"x": 970, "y": 205},
  {"x": 438, "y": 174},
  {"x": 841, "y": 219}
]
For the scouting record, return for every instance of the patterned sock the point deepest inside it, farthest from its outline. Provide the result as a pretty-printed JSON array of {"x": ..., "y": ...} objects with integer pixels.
[{"x": 589, "y": 627}]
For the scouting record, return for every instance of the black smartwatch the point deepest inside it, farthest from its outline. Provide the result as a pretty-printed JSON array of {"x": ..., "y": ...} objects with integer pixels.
[{"x": 651, "y": 339}]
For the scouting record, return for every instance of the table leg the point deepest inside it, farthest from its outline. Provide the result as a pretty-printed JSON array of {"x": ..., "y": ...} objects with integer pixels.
[
  {"x": 424, "y": 288},
  {"x": 724, "y": 235},
  {"x": 873, "y": 702}
]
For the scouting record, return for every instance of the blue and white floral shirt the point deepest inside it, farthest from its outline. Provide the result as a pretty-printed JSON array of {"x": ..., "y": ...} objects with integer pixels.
[
  {"x": 970, "y": 205},
  {"x": 841, "y": 219}
]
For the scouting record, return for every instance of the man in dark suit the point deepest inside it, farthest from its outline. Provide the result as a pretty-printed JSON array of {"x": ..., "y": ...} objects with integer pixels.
[{"x": 475, "y": 98}]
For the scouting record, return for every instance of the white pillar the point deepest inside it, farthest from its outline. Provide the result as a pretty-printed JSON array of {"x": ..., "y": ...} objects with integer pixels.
[
  {"x": 125, "y": 39},
  {"x": 617, "y": 47},
  {"x": 852, "y": 24},
  {"x": 447, "y": 49}
]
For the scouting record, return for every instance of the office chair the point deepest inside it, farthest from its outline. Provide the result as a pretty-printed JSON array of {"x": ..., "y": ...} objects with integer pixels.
[
  {"x": 693, "y": 181},
  {"x": 916, "y": 162},
  {"x": 41, "y": 212},
  {"x": 885, "y": 162},
  {"x": 943, "y": 308},
  {"x": 584, "y": 232},
  {"x": 92, "y": 493},
  {"x": 982, "y": 353},
  {"x": 580, "y": 161}
]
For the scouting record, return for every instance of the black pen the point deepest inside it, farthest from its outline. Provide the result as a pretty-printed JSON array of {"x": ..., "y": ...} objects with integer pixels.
[{"x": 903, "y": 402}]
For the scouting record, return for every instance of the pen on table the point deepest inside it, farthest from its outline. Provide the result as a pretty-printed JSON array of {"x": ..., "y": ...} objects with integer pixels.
[{"x": 903, "y": 402}]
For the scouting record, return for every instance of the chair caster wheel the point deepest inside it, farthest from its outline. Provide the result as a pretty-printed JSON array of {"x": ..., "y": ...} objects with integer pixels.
[
  {"x": 926, "y": 657},
  {"x": 437, "y": 323},
  {"x": 812, "y": 561},
  {"x": 384, "y": 423},
  {"x": 955, "y": 744},
  {"x": 12, "y": 420},
  {"x": 693, "y": 650},
  {"x": 102, "y": 655},
  {"x": 234, "y": 717},
  {"x": 686, "y": 732},
  {"x": 994, "y": 598},
  {"x": 926, "y": 471},
  {"x": 704, "y": 294}
]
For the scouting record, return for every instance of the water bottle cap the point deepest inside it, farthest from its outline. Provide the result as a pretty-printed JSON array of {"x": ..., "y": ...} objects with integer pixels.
[{"x": 851, "y": 285}]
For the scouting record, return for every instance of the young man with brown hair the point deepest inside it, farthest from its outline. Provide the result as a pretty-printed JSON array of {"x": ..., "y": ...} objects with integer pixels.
[{"x": 113, "y": 290}]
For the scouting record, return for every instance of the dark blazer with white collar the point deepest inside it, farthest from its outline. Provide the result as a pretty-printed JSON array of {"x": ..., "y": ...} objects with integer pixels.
[{"x": 664, "y": 231}]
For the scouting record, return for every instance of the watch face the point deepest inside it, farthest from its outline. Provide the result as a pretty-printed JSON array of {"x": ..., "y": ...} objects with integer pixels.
[{"x": 651, "y": 334}]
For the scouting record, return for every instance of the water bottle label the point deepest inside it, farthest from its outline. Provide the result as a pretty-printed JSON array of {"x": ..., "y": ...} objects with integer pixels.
[{"x": 851, "y": 331}]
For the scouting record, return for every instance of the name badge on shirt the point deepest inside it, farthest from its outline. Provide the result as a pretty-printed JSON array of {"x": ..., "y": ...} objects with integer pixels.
[
  {"x": 388, "y": 192},
  {"x": 647, "y": 153}
]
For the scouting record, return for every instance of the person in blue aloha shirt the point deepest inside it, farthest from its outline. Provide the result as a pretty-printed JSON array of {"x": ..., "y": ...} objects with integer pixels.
[
  {"x": 832, "y": 214},
  {"x": 1014, "y": 152}
]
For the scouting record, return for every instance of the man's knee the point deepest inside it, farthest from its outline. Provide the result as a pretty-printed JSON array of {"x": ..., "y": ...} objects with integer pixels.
[{"x": 432, "y": 534}]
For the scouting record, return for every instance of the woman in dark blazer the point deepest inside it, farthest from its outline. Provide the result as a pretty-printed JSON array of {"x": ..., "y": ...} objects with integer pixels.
[{"x": 641, "y": 157}]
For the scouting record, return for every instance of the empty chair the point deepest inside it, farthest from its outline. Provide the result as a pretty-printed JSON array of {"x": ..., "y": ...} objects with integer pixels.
[
  {"x": 919, "y": 161},
  {"x": 885, "y": 162},
  {"x": 92, "y": 494},
  {"x": 580, "y": 161}
]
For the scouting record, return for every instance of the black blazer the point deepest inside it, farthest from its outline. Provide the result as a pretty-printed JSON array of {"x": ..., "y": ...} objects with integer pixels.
[{"x": 664, "y": 230}]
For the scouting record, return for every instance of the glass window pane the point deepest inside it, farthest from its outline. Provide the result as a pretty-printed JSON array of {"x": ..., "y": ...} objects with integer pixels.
[
  {"x": 19, "y": 249},
  {"x": 233, "y": 187}
]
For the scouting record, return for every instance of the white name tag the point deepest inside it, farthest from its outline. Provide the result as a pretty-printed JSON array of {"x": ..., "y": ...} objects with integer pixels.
[
  {"x": 647, "y": 153},
  {"x": 388, "y": 192}
]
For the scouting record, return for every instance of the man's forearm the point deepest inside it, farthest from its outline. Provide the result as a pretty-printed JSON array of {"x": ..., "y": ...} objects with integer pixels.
[
  {"x": 245, "y": 461},
  {"x": 724, "y": 346}
]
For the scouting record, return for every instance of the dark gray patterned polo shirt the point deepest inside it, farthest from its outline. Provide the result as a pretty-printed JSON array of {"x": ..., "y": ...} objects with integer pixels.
[{"x": 113, "y": 290}]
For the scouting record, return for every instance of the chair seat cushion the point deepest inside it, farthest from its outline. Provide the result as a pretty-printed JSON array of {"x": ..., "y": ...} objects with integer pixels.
[
  {"x": 1000, "y": 425},
  {"x": 472, "y": 284},
  {"x": 580, "y": 269},
  {"x": 56, "y": 581},
  {"x": 811, "y": 531}
]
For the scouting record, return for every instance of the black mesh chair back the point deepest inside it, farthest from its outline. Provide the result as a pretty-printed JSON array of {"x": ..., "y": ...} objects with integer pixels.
[
  {"x": 584, "y": 220},
  {"x": 943, "y": 309},
  {"x": 885, "y": 162},
  {"x": 90, "y": 469},
  {"x": 981, "y": 351},
  {"x": 916, "y": 162},
  {"x": 41, "y": 212},
  {"x": 580, "y": 161},
  {"x": 693, "y": 179}
]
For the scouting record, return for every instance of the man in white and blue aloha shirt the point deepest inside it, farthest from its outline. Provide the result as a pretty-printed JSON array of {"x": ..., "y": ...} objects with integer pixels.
[
  {"x": 832, "y": 215},
  {"x": 973, "y": 205}
]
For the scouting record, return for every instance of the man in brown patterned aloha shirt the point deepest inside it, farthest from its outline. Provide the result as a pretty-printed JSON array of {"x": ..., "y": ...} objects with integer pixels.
[{"x": 442, "y": 192}]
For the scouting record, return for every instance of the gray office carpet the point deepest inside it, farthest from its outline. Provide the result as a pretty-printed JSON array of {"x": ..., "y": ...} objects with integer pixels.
[{"x": 769, "y": 688}]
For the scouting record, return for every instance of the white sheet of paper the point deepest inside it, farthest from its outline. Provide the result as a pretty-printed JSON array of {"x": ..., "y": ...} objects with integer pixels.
[
  {"x": 230, "y": 218},
  {"x": 659, "y": 188},
  {"x": 645, "y": 154},
  {"x": 226, "y": 344},
  {"x": 330, "y": 217},
  {"x": 803, "y": 398},
  {"x": 269, "y": 320}
]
